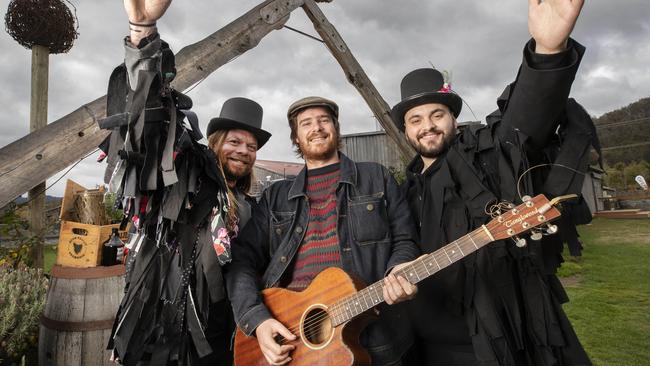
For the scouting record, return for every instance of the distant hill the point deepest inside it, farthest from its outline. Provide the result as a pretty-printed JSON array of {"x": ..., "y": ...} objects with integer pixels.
[
  {"x": 48, "y": 199},
  {"x": 625, "y": 133}
]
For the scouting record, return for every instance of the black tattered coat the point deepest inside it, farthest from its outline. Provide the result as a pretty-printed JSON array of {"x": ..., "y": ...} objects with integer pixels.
[
  {"x": 503, "y": 300},
  {"x": 174, "y": 310}
]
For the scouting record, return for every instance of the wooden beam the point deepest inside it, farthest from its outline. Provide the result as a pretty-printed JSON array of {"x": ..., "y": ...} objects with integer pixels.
[
  {"x": 38, "y": 120},
  {"x": 356, "y": 76},
  {"x": 41, "y": 154}
]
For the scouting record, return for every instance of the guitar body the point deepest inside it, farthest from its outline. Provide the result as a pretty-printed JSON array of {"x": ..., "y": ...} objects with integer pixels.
[{"x": 304, "y": 314}]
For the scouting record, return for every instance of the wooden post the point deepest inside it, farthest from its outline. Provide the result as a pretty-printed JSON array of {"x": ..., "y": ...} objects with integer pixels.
[
  {"x": 38, "y": 120},
  {"x": 356, "y": 76}
]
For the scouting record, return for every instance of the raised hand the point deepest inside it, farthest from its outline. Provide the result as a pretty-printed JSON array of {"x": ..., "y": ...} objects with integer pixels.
[
  {"x": 145, "y": 11},
  {"x": 143, "y": 15},
  {"x": 550, "y": 23}
]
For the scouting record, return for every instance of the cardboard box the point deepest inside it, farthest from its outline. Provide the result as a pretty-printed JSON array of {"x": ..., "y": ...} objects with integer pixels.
[{"x": 80, "y": 245}]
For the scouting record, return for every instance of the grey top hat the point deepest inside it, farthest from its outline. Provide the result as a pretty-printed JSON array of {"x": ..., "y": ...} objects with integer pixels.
[
  {"x": 240, "y": 113},
  {"x": 423, "y": 86}
]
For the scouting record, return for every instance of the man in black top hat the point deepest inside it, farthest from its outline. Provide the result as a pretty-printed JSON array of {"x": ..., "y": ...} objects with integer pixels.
[
  {"x": 234, "y": 137},
  {"x": 501, "y": 305}
]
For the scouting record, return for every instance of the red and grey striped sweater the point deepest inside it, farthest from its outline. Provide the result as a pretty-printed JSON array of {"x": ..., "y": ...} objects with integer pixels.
[{"x": 320, "y": 246}]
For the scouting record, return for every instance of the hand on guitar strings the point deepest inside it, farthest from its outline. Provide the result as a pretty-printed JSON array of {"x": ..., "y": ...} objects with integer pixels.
[
  {"x": 266, "y": 334},
  {"x": 397, "y": 288}
]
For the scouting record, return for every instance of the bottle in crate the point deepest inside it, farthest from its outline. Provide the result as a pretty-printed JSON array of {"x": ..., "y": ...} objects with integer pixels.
[{"x": 113, "y": 250}]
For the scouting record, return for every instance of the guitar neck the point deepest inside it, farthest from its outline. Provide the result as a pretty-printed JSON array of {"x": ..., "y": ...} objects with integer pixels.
[{"x": 351, "y": 306}]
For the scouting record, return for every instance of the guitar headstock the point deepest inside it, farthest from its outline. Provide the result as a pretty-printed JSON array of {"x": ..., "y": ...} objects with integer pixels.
[{"x": 530, "y": 214}]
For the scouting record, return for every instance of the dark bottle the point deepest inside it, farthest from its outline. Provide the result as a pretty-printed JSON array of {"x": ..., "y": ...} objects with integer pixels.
[{"x": 113, "y": 250}]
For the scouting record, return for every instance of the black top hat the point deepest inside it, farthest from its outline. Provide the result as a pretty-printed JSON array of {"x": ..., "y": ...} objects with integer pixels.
[
  {"x": 423, "y": 86},
  {"x": 240, "y": 113}
]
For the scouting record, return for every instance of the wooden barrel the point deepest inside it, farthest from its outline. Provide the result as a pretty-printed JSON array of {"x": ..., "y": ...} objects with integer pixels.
[{"x": 78, "y": 316}]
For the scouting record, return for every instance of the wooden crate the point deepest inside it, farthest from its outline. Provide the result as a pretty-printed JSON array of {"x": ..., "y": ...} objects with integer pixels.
[{"x": 80, "y": 245}]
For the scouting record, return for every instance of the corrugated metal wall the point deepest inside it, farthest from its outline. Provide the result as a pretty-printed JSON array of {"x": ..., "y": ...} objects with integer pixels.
[{"x": 372, "y": 146}]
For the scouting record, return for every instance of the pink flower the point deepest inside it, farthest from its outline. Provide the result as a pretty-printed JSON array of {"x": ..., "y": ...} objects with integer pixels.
[
  {"x": 222, "y": 236},
  {"x": 221, "y": 242}
]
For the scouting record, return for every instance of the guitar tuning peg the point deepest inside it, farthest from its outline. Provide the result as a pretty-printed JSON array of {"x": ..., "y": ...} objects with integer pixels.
[
  {"x": 551, "y": 229},
  {"x": 536, "y": 235},
  {"x": 528, "y": 200},
  {"x": 519, "y": 242}
]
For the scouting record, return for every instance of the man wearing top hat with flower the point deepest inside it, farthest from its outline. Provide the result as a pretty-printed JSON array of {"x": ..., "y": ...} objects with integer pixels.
[{"x": 502, "y": 304}]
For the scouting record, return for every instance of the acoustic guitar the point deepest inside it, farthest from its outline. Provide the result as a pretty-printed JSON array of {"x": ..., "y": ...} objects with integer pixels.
[{"x": 325, "y": 316}]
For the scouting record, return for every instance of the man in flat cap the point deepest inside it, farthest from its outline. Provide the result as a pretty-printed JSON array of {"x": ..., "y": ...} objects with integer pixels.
[
  {"x": 335, "y": 213},
  {"x": 502, "y": 304}
]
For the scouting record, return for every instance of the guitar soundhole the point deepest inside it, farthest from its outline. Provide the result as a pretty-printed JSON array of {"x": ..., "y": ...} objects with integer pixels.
[{"x": 317, "y": 327}]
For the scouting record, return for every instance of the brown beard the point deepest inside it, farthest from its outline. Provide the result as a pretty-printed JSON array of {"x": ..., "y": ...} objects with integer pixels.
[
  {"x": 433, "y": 152},
  {"x": 329, "y": 152},
  {"x": 229, "y": 174}
]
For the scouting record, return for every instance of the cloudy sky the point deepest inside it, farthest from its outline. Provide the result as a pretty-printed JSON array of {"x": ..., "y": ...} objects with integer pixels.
[{"x": 480, "y": 42}]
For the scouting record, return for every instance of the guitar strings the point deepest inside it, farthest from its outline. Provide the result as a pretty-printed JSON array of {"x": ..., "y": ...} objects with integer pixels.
[
  {"x": 420, "y": 269},
  {"x": 438, "y": 255}
]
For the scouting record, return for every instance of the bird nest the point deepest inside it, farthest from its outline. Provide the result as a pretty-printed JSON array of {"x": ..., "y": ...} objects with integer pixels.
[{"x": 47, "y": 23}]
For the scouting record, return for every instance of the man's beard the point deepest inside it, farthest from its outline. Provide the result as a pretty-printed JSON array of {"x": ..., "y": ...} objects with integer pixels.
[
  {"x": 436, "y": 150},
  {"x": 234, "y": 175},
  {"x": 323, "y": 154}
]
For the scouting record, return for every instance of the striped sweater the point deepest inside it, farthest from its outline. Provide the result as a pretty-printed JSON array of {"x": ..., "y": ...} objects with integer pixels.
[{"x": 320, "y": 246}]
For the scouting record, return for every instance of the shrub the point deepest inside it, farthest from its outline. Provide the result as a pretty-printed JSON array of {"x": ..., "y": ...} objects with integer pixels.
[
  {"x": 16, "y": 239},
  {"x": 22, "y": 298}
]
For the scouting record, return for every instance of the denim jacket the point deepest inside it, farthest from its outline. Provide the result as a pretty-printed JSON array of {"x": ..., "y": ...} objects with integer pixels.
[{"x": 374, "y": 226}]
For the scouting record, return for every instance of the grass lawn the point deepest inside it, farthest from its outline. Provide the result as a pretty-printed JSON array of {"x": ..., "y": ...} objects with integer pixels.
[
  {"x": 49, "y": 257},
  {"x": 609, "y": 287}
]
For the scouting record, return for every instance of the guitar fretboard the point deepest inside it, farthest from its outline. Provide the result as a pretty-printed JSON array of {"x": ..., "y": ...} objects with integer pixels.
[{"x": 425, "y": 266}]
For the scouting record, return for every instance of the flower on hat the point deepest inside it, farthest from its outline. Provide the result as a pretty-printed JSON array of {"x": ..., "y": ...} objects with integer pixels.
[{"x": 446, "y": 88}]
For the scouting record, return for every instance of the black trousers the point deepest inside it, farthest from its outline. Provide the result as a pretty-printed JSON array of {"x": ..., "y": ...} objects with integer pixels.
[
  {"x": 220, "y": 334},
  {"x": 423, "y": 354}
]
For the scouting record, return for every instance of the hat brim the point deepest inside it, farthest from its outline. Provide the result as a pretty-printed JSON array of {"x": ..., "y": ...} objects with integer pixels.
[
  {"x": 220, "y": 123},
  {"x": 451, "y": 100}
]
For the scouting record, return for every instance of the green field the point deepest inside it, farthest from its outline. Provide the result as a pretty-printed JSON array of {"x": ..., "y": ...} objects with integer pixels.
[{"x": 609, "y": 287}]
